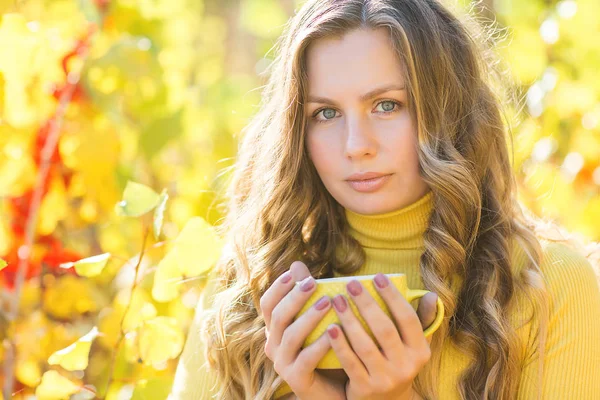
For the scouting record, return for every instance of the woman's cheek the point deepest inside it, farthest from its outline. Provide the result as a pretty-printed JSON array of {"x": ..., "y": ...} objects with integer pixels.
[{"x": 320, "y": 150}]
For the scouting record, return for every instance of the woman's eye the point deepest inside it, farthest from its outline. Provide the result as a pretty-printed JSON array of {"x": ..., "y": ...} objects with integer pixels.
[
  {"x": 387, "y": 107},
  {"x": 328, "y": 113}
]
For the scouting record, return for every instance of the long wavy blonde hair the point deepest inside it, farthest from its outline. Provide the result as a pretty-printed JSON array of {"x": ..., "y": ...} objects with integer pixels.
[{"x": 279, "y": 211}]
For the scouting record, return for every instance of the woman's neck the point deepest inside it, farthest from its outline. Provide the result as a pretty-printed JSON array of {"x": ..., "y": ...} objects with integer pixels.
[{"x": 399, "y": 229}]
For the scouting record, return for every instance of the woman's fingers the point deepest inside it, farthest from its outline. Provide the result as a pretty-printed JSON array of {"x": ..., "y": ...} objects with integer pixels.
[
  {"x": 361, "y": 342},
  {"x": 351, "y": 364},
  {"x": 427, "y": 311},
  {"x": 403, "y": 313},
  {"x": 309, "y": 357},
  {"x": 383, "y": 328},
  {"x": 295, "y": 335},
  {"x": 280, "y": 287},
  {"x": 288, "y": 307}
]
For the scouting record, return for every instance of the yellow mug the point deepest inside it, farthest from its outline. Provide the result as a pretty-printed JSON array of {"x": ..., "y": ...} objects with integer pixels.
[{"x": 334, "y": 286}]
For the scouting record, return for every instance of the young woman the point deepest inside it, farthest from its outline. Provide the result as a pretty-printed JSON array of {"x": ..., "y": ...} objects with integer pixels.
[{"x": 380, "y": 148}]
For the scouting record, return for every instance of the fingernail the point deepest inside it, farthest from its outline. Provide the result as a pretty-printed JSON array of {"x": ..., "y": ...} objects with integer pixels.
[
  {"x": 339, "y": 302},
  {"x": 381, "y": 280},
  {"x": 354, "y": 287},
  {"x": 322, "y": 303},
  {"x": 286, "y": 277},
  {"x": 333, "y": 332},
  {"x": 307, "y": 284}
]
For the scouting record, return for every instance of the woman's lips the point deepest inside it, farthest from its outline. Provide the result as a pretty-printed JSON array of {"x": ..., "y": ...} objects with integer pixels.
[{"x": 369, "y": 185}]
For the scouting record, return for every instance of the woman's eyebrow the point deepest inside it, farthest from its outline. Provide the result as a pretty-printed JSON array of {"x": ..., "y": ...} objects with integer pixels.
[{"x": 367, "y": 96}]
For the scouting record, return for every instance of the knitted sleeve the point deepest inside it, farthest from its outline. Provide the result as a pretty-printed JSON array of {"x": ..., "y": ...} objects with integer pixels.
[{"x": 571, "y": 368}]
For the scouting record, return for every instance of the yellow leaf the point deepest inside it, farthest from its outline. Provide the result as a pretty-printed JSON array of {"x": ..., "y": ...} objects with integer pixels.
[
  {"x": 90, "y": 266},
  {"x": 109, "y": 323},
  {"x": 30, "y": 297},
  {"x": 92, "y": 150},
  {"x": 159, "y": 213},
  {"x": 34, "y": 333},
  {"x": 194, "y": 252},
  {"x": 130, "y": 347},
  {"x": 166, "y": 279},
  {"x": 28, "y": 372},
  {"x": 140, "y": 309},
  {"x": 155, "y": 388},
  {"x": 88, "y": 210},
  {"x": 160, "y": 339},
  {"x": 3, "y": 264},
  {"x": 75, "y": 357},
  {"x": 55, "y": 386},
  {"x": 70, "y": 296},
  {"x": 18, "y": 47},
  {"x": 17, "y": 174},
  {"x": 53, "y": 208},
  {"x": 137, "y": 200},
  {"x": 197, "y": 248}
]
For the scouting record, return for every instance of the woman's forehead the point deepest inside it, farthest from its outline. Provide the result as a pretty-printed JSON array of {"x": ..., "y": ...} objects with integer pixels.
[{"x": 359, "y": 62}]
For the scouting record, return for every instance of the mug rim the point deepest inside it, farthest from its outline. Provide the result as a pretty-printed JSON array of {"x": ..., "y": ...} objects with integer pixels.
[{"x": 357, "y": 277}]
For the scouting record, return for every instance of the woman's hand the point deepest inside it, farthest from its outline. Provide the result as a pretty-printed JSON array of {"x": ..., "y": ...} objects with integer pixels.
[
  {"x": 285, "y": 337},
  {"x": 385, "y": 373}
]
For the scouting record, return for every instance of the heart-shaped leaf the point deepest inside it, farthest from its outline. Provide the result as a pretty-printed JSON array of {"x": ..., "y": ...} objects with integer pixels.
[
  {"x": 75, "y": 357},
  {"x": 90, "y": 266},
  {"x": 137, "y": 200}
]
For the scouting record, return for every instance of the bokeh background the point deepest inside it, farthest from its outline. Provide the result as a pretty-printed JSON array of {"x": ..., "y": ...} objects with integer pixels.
[{"x": 97, "y": 93}]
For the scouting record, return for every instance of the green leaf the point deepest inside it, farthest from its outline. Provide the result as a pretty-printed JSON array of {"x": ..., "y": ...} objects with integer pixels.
[
  {"x": 159, "y": 213},
  {"x": 137, "y": 200},
  {"x": 3, "y": 264},
  {"x": 90, "y": 266}
]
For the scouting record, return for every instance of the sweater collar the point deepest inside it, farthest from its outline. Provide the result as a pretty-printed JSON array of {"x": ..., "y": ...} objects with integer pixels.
[{"x": 399, "y": 229}]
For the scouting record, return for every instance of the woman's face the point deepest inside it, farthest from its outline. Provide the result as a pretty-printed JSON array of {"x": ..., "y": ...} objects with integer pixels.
[{"x": 358, "y": 122}]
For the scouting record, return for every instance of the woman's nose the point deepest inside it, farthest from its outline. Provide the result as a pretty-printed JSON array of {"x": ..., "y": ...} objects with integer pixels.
[{"x": 360, "y": 139}]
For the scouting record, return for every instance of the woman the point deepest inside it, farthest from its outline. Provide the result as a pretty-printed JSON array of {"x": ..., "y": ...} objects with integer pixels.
[{"x": 402, "y": 90}]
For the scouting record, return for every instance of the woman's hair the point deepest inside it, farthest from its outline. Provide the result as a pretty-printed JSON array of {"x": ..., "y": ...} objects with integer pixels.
[{"x": 279, "y": 211}]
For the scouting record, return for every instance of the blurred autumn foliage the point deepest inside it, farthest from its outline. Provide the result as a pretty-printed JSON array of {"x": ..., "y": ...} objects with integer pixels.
[{"x": 118, "y": 121}]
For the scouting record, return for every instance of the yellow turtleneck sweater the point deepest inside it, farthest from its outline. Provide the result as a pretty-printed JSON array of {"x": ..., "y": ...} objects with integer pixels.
[{"x": 393, "y": 243}]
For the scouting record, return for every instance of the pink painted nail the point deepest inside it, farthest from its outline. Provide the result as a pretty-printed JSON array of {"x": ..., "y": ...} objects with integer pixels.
[
  {"x": 286, "y": 277},
  {"x": 339, "y": 302},
  {"x": 322, "y": 303},
  {"x": 354, "y": 287},
  {"x": 333, "y": 332},
  {"x": 381, "y": 280},
  {"x": 307, "y": 284}
]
